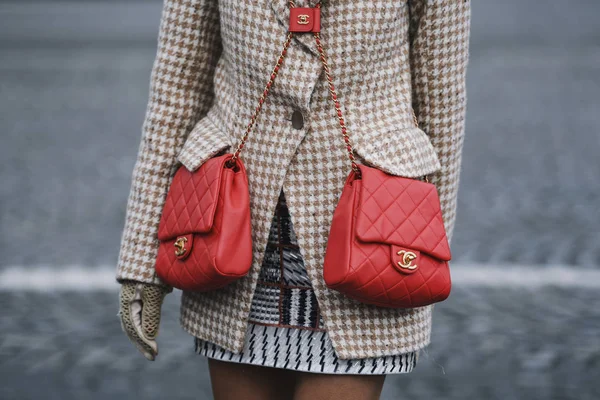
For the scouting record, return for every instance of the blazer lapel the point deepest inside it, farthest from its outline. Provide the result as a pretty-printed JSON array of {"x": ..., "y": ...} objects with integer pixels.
[{"x": 282, "y": 11}]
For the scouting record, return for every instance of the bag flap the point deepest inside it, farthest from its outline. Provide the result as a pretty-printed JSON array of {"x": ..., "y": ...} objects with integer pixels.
[
  {"x": 401, "y": 211},
  {"x": 192, "y": 199}
]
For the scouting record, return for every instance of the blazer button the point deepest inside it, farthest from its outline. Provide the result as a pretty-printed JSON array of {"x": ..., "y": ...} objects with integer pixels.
[{"x": 297, "y": 119}]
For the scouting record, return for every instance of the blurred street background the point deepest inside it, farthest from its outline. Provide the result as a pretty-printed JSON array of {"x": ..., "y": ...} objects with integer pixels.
[{"x": 523, "y": 321}]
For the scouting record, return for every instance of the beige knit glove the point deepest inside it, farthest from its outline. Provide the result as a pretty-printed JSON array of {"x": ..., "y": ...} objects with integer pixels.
[{"x": 139, "y": 309}]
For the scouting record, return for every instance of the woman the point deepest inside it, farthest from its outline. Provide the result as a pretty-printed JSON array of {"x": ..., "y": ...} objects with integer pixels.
[{"x": 280, "y": 332}]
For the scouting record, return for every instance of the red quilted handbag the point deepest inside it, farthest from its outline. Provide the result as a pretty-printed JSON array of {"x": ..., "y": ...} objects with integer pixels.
[
  {"x": 205, "y": 238},
  {"x": 387, "y": 243},
  {"x": 206, "y": 215}
]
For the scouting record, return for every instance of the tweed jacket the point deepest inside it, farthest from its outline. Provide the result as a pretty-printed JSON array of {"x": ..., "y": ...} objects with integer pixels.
[{"x": 212, "y": 64}]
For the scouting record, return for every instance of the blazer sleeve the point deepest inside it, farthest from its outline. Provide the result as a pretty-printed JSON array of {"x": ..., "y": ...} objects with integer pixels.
[
  {"x": 181, "y": 92},
  {"x": 439, "y": 37}
]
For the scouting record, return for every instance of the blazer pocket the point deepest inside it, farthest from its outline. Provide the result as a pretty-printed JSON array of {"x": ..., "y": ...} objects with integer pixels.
[
  {"x": 204, "y": 141},
  {"x": 407, "y": 152}
]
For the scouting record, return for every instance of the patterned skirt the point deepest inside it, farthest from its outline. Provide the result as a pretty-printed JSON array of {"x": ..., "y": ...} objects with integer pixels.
[{"x": 285, "y": 328}]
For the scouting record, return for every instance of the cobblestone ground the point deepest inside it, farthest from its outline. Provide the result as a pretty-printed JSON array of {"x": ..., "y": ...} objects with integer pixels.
[{"x": 73, "y": 87}]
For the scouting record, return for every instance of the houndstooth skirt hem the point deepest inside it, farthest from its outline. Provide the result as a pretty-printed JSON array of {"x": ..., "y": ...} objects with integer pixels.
[
  {"x": 303, "y": 350},
  {"x": 285, "y": 327}
]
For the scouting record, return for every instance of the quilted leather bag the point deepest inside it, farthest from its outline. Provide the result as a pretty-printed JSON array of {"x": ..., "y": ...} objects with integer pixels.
[
  {"x": 205, "y": 238},
  {"x": 387, "y": 243},
  {"x": 206, "y": 215}
]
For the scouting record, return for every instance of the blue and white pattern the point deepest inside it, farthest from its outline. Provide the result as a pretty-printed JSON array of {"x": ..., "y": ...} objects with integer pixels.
[{"x": 285, "y": 328}]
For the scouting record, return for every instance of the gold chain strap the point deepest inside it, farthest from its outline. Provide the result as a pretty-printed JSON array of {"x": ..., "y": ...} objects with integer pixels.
[
  {"x": 336, "y": 102},
  {"x": 262, "y": 99},
  {"x": 332, "y": 91}
]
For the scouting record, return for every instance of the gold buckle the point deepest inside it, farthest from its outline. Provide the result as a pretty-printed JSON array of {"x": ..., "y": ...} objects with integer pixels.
[
  {"x": 407, "y": 259},
  {"x": 180, "y": 246}
]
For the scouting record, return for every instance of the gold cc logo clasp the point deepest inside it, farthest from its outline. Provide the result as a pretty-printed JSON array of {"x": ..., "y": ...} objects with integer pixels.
[
  {"x": 180, "y": 246},
  {"x": 303, "y": 19},
  {"x": 407, "y": 259}
]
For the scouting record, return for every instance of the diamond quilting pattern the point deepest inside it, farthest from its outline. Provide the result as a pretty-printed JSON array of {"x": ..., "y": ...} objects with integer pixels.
[
  {"x": 401, "y": 211},
  {"x": 391, "y": 211},
  {"x": 211, "y": 208},
  {"x": 192, "y": 200}
]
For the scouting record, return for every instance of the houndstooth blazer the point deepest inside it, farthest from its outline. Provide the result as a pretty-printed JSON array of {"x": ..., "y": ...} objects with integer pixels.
[{"x": 213, "y": 61}]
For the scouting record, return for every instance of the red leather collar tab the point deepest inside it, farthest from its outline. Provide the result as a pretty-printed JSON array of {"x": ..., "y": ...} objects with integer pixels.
[{"x": 304, "y": 19}]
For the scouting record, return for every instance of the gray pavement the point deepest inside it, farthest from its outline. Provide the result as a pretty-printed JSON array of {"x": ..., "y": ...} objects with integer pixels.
[
  {"x": 488, "y": 344},
  {"x": 73, "y": 89}
]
